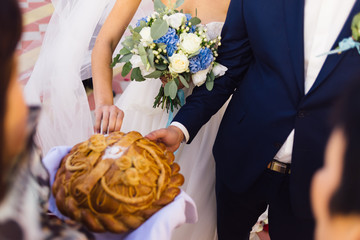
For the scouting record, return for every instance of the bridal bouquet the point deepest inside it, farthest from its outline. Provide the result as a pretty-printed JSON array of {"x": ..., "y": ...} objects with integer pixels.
[{"x": 174, "y": 47}]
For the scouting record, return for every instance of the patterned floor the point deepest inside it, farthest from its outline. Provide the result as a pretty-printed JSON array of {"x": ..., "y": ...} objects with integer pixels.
[{"x": 36, "y": 16}]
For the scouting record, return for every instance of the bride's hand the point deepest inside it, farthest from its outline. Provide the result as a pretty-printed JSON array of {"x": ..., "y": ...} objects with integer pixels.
[
  {"x": 171, "y": 137},
  {"x": 108, "y": 118}
]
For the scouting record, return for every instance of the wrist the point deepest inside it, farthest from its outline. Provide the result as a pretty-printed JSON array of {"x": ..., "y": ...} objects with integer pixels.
[
  {"x": 103, "y": 103},
  {"x": 103, "y": 98},
  {"x": 179, "y": 133}
]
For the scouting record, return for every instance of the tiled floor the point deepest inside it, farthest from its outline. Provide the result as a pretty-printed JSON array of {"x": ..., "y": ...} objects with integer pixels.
[{"x": 36, "y": 16}]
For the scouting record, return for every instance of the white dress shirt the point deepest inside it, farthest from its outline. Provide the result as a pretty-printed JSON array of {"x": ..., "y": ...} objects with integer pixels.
[{"x": 323, "y": 21}]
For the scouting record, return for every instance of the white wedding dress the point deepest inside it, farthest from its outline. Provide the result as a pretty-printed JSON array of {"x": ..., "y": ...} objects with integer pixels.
[
  {"x": 195, "y": 159},
  {"x": 66, "y": 119}
]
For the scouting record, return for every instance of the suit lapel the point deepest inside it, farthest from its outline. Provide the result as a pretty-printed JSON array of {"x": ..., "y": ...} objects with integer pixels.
[
  {"x": 294, "y": 22},
  {"x": 332, "y": 60}
]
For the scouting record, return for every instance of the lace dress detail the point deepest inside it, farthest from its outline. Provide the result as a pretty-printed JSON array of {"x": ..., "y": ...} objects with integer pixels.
[{"x": 214, "y": 29}]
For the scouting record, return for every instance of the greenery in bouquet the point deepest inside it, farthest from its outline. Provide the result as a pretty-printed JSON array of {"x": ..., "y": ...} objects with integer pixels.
[
  {"x": 355, "y": 27},
  {"x": 171, "y": 46},
  {"x": 350, "y": 42}
]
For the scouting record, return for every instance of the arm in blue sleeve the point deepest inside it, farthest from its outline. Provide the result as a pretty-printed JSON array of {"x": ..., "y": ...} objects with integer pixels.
[{"x": 234, "y": 53}]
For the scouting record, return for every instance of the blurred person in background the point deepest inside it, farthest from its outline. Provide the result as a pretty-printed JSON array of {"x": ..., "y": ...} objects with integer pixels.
[
  {"x": 23, "y": 179},
  {"x": 336, "y": 186}
]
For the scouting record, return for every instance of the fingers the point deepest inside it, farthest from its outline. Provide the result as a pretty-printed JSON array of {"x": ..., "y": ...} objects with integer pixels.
[
  {"x": 112, "y": 121},
  {"x": 98, "y": 117},
  {"x": 119, "y": 120},
  {"x": 157, "y": 134},
  {"x": 116, "y": 118},
  {"x": 166, "y": 136},
  {"x": 105, "y": 122},
  {"x": 108, "y": 119}
]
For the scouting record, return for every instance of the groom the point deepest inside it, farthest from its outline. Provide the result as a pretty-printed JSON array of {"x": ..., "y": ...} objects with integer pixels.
[{"x": 272, "y": 136}]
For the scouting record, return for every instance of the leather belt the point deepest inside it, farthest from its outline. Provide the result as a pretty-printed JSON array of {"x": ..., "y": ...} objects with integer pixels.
[{"x": 280, "y": 167}]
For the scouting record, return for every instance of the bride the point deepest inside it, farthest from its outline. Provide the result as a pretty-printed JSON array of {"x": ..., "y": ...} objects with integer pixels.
[
  {"x": 66, "y": 118},
  {"x": 196, "y": 160}
]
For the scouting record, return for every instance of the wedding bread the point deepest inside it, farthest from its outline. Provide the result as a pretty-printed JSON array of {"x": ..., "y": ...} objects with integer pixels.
[{"x": 115, "y": 182}]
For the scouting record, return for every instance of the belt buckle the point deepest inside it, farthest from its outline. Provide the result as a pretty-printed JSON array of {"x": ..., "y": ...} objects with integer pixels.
[{"x": 280, "y": 167}]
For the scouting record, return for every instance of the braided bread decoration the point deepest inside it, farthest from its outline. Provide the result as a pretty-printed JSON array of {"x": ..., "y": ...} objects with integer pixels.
[{"x": 115, "y": 182}]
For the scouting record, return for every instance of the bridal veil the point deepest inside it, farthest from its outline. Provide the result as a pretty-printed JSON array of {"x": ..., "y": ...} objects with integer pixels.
[{"x": 64, "y": 61}]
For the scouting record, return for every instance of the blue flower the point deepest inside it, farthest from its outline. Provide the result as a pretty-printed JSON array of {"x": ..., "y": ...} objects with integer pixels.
[
  {"x": 188, "y": 17},
  {"x": 201, "y": 61},
  {"x": 192, "y": 29},
  {"x": 171, "y": 39},
  {"x": 141, "y": 19}
]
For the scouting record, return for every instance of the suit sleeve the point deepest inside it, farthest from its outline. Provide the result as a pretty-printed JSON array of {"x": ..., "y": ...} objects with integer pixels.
[{"x": 234, "y": 53}]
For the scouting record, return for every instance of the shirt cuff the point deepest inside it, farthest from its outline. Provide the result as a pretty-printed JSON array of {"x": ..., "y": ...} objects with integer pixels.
[{"x": 183, "y": 129}]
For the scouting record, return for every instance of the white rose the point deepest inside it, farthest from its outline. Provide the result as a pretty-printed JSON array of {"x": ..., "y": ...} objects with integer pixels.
[
  {"x": 145, "y": 34},
  {"x": 179, "y": 63},
  {"x": 219, "y": 70},
  {"x": 199, "y": 78},
  {"x": 135, "y": 61},
  {"x": 190, "y": 43},
  {"x": 176, "y": 20}
]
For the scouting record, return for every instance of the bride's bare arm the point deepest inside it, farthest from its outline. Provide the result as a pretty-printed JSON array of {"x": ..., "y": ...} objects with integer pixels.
[{"x": 109, "y": 36}]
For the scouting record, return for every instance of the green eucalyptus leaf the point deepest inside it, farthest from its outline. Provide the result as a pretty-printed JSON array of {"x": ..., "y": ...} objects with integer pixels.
[
  {"x": 173, "y": 88},
  {"x": 159, "y": 28},
  {"x": 161, "y": 67},
  {"x": 142, "y": 50},
  {"x": 194, "y": 54},
  {"x": 115, "y": 61},
  {"x": 155, "y": 74},
  {"x": 136, "y": 36},
  {"x": 183, "y": 81},
  {"x": 162, "y": 46},
  {"x": 195, "y": 21},
  {"x": 209, "y": 85},
  {"x": 143, "y": 54},
  {"x": 167, "y": 89},
  {"x": 159, "y": 6},
  {"x": 164, "y": 58},
  {"x": 128, "y": 43},
  {"x": 138, "y": 29},
  {"x": 177, "y": 81},
  {"x": 151, "y": 57},
  {"x": 143, "y": 24},
  {"x": 126, "y": 69},
  {"x": 125, "y": 58},
  {"x": 187, "y": 76},
  {"x": 124, "y": 51},
  {"x": 212, "y": 76},
  {"x": 179, "y": 3},
  {"x": 136, "y": 75}
]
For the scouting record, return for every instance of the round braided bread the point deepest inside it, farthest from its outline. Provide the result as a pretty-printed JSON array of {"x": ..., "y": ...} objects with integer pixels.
[{"x": 115, "y": 182}]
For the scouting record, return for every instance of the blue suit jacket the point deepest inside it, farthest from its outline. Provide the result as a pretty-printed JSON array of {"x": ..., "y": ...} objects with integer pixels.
[{"x": 263, "y": 48}]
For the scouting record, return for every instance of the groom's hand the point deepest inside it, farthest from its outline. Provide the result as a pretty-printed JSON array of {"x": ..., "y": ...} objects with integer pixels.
[{"x": 171, "y": 137}]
